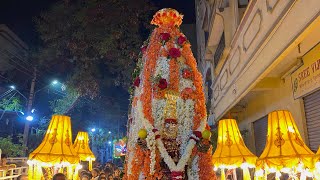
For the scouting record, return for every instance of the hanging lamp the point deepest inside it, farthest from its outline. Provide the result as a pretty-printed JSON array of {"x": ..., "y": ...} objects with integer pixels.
[
  {"x": 231, "y": 150},
  {"x": 285, "y": 151},
  {"x": 316, "y": 170},
  {"x": 81, "y": 146},
  {"x": 56, "y": 151}
]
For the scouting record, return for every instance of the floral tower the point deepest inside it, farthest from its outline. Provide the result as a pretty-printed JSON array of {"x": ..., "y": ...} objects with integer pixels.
[{"x": 168, "y": 134}]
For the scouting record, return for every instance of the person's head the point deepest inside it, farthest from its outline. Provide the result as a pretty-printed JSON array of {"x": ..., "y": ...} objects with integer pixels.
[
  {"x": 95, "y": 172},
  {"x": 117, "y": 173},
  {"x": 107, "y": 171},
  {"x": 110, "y": 177},
  {"x": 102, "y": 178},
  {"x": 3, "y": 160},
  {"x": 85, "y": 176},
  {"x": 102, "y": 174},
  {"x": 23, "y": 177},
  {"x": 59, "y": 176}
]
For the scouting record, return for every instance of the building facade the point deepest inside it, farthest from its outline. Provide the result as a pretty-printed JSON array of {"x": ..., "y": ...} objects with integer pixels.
[{"x": 259, "y": 56}]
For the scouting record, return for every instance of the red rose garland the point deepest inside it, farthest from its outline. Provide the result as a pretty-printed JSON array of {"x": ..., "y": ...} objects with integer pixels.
[
  {"x": 181, "y": 40},
  {"x": 174, "y": 53},
  {"x": 186, "y": 73},
  {"x": 162, "y": 83},
  {"x": 143, "y": 49},
  {"x": 136, "y": 82},
  {"x": 164, "y": 37}
]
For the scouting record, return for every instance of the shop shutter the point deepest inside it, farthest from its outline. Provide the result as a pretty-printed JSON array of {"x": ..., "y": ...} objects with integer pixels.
[
  {"x": 312, "y": 110},
  {"x": 260, "y": 128}
]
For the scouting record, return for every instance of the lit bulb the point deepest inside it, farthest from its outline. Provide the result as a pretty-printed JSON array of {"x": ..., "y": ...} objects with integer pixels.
[
  {"x": 259, "y": 173},
  {"x": 244, "y": 165},
  {"x": 285, "y": 170},
  {"x": 272, "y": 170}
]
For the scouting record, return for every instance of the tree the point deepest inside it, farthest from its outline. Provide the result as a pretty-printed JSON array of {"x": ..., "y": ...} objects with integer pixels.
[
  {"x": 11, "y": 104},
  {"x": 84, "y": 35},
  {"x": 10, "y": 148},
  {"x": 63, "y": 105}
]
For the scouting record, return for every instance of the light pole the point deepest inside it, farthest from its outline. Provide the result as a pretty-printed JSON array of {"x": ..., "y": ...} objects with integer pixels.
[
  {"x": 29, "y": 117},
  {"x": 29, "y": 106}
]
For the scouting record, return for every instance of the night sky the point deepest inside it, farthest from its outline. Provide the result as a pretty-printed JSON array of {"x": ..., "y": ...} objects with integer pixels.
[{"x": 18, "y": 15}]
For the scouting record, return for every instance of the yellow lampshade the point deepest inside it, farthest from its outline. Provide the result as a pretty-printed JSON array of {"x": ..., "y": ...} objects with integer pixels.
[
  {"x": 317, "y": 165},
  {"x": 81, "y": 146},
  {"x": 285, "y": 149},
  {"x": 56, "y": 147},
  {"x": 231, "y": 150}
]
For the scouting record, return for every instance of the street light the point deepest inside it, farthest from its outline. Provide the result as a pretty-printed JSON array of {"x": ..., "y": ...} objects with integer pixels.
[
  {"x": 109, "y": 132},
  {"x": 29, "y": 118},
  {"x": 93, "y": 129},
  {"x": 54, "y": 82},
  {"x": 12, "y": 87},
  {"x": 109, "y": 142}
]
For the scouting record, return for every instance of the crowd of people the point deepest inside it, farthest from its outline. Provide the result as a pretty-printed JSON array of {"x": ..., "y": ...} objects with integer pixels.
[
  {"x": 99, "y": 172},
  {"x": 107, "y": 172}
]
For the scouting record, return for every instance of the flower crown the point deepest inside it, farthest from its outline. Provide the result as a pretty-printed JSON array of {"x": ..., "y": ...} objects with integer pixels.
[{"x": 167, "y": 17}]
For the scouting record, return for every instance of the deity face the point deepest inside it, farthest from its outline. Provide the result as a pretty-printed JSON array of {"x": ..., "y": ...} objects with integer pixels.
[{"x": 170, "y": 130}]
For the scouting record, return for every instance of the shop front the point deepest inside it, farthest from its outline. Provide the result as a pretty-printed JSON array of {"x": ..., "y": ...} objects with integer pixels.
[{"x": 306, "y": 86}]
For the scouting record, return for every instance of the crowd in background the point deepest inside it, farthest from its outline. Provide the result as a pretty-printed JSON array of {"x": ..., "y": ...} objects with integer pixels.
[{"x": 99, "y": 172}]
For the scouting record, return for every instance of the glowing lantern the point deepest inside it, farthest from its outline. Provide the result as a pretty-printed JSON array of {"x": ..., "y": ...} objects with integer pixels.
[
  {"x": 81, "y": 146},
  {"x": 231, "y": 151},
  {"x": 317, "y": 165},
  {"x": 56, "y": 151},
  {"x": 285, "y": 150}
]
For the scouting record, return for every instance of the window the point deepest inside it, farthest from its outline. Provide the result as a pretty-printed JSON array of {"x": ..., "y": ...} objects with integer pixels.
[
  {"x": 260, "y": 127},
  {"x": 219, "y": 50}
]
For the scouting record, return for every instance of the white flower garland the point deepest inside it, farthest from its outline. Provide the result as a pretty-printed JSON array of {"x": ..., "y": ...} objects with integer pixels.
[
  {"x": 193, "y": 171},
  {"x": 162, "y": 68},
  {"x": 151, "y": 144},
  {"x": 185, "y": 110},
  {"x": 186, "y": 83},
  {"x": 157, "y": 112}
]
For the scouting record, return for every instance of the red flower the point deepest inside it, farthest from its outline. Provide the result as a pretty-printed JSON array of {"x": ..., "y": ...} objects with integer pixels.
[
  {"x": 188, "y": 90},
  {"x": 162, "y": 83},
  {"x": 174, "y": 53},
  {"x": 186, "y": 73},
  {"x": 182, "y": 40},
  {"x": 165, "y": 36},
  {"x": 198, "y": 134},
  {"x": 143, "y": 49},
  {"x": 136, "y": 82}
]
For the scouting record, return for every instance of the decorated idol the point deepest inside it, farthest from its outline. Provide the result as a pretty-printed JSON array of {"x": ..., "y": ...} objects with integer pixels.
[{"x": 168, "y": 131}]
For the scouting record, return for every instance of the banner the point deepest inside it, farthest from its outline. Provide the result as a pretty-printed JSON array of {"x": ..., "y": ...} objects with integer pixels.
[{"x": 307, "y": 78}]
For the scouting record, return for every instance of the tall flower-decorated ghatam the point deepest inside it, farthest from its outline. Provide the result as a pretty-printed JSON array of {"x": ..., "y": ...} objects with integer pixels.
[{"x": 168, "y": 134}]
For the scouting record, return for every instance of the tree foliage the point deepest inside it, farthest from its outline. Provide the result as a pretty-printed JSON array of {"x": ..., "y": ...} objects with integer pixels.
[
  {"x": 11, "y": 104},
  {"x": 64, "y": 104},
  {"x": 85, "y": 34},
  {"x": 10, "y": 148}
]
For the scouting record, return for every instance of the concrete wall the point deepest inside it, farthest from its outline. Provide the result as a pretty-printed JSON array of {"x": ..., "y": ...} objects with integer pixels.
[{"x": 263, "y": 102}]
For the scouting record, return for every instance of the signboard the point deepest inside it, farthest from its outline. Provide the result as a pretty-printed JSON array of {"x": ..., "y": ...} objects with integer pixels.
[{"x": 307, "y": 78}]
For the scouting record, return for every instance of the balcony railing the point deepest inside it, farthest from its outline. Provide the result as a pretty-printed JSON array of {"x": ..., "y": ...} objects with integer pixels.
[
  {"x": 262, "y": 36},
  {"x": 13, "y": 173}
]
